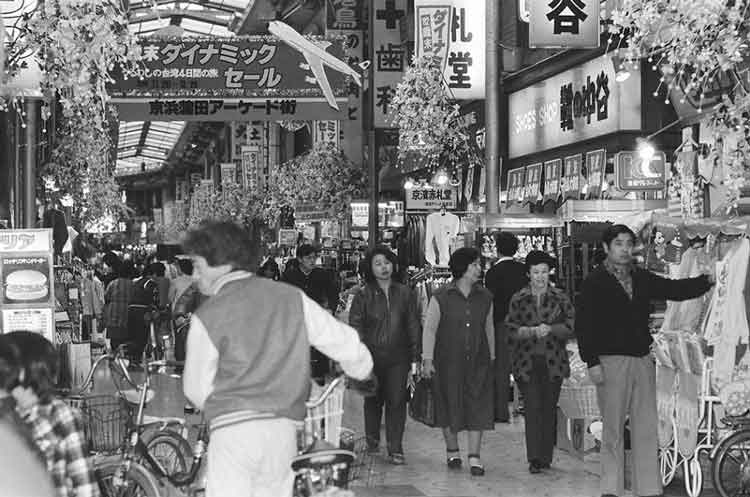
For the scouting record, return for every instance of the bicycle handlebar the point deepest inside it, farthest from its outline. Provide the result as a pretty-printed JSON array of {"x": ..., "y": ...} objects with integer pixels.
[
  {"x": 326, "y": 393},
  {"x": 165, "y": 363}
]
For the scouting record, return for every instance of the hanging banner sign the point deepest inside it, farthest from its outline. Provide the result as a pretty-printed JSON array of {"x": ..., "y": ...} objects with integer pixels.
[
  {"x": 634, "y": 174},
  {"x": 516, "y": 186},
  {"x": 564, "y": 23},
  {"x": 453, "y": 31},
  {"x": 570, "y": 184},
  {"x": 390, "y": 56},
  {"x": 596, "y": 163},
  {"x": 288, "y": 237},
  {"x": 345, "y": 15},
  {"x": 552, "y": 175},
  {"x": 249, "y": 66},
  {"x": 436, "y": 198},
  {"x": 533, "y": 182},
  {"x": 223, "y": 109},
  {"x": 252, "y": 173},
  {"x": 326, "y": 132},
  {"x": 228, "y": 173}
]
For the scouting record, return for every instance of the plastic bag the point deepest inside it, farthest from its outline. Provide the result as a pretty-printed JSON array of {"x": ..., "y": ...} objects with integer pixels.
[{"x": 422, "y": 403}]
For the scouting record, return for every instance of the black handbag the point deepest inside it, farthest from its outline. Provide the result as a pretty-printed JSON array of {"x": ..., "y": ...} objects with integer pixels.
[{"x": 422, "y": 403}]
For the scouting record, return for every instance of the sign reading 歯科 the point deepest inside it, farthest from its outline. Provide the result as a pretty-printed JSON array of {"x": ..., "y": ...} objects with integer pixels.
[{"x": 390, "y": 56}]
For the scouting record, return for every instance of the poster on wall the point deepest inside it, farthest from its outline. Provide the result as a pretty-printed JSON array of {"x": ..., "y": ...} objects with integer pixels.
[
  {"x": 552, "y": 174},
  {"x": 38, "y": 320},
  {"x": 516, "y": 186},
  {"x": 533, "y": 182},
  {"x": 26, "y": 279},
  {"x": 596, "y": 163},
  {"x": 228, "y": 173},
  {"x": 570, "y": 184}
]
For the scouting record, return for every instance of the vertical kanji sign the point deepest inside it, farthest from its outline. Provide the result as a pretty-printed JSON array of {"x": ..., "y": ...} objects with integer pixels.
[
  {"x": 595, "y": 169},
  {"x": 516, "y": 186},
  {"x": 533, "y": 183},
  {"x": 454, "y": 31},
  {"x": 390, "y": 56},
  {"x": 571, "y": 178},
  {"x": 564, "y": 23},
  {"x": 552, "y": 174}
]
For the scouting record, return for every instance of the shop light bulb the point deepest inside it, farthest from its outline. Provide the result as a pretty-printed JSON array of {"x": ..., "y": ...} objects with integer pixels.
[
  {"x": 408, "y": 184},
  {"x": 646, "y": 151},
  {"x": 441, "y": 178}
]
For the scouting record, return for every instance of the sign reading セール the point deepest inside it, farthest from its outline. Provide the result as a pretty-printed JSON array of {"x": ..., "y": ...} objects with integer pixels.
[
  {"x": 564, "y": 23},
  {"x": 453, "y": 31},
  {"x": 575, "y": 105}
]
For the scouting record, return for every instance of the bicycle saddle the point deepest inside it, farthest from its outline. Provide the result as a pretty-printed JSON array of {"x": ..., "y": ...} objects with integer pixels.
[
  {"x": 133, "y": 396},
  {"x": 742, "y": 420}
]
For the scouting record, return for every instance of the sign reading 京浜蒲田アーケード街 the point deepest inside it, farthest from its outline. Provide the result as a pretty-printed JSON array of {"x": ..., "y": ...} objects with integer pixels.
[
  {"x": 575, "y": 105},
  {"x": 564, "y": 23},
  {"x": 453, "y": 31},
  {"x": 390, "y": 55}
]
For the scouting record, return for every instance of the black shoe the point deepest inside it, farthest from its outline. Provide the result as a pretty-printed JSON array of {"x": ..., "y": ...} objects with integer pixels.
[
  {"x": 545, "y": 466},
  {"x": 535, "y": 468},
  {"x": 397, "y": 459},
  {"x": 475, "y": 465},
  {"x": 454, "y": 460}
]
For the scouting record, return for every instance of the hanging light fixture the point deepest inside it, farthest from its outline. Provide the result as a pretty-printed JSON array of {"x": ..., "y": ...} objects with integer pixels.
[
  {"x": 409, "y": 184},
  {"x": 441, "y": 178},
  {"x": 621, "y": 70}
]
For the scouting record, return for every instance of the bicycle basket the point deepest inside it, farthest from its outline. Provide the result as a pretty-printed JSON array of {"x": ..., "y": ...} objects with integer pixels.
[
  {"x": 106, "y": 419},
  {"x": 579, "y": 401},
  {"x": 363, "y": 461}
]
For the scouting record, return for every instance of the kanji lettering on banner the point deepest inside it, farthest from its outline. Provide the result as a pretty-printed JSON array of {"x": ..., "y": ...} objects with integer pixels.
[
  {"x": 201, "y": 108},
  {"x": 187, "y": 108},
  {"x": 249, "y": 55},
  {"x": 234, "y": 78},
  {"x": 207, "y": 53},
  {"x": 171, "y": 107},
  {"x": 151, "y": 53},
  {"x": 384, "y": 97},
  {"x": 228, "y": 53},
  {"x": 459, "y": 25},
  {"x": 156, "y": 108},
  {"x": 254, "y": 134},
  {"x": 459, "y": 62},
  {"x": 189, "y": 54},
  {"x": 602, "y": 96},
  {"x": 390, "y": 59},
  {"x": 269, "y": 79},
  {"x": 245, "y": 106},
  {"x": 566, "y": 107},
  {"x": 171, "y": 53},
  {"x": 390, "y": 14},
  {"x": 267, "y": 52},
  {"x": 288, "y": 106},
  {"x": 569, "y": 22},
  {"x": 215, "y": 106}
]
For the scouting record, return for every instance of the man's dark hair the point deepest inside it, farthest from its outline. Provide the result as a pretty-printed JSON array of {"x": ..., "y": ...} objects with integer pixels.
[
  {"x": 461, "y": 259},
  {"x": 10, "y": 363},
  {"x": 507, "y": 244},
  {"x": 157, "y": 269},
  {"x": 185, "y": 265},
  {"x": 304, "y": 250},
  {"x": 39, "y": 361},
  {"x": 222, "y": 242},
  {"x": 614, "y": 231},
  {"x": 367, "y": 273},
  {"x": 536, "y": 257}
]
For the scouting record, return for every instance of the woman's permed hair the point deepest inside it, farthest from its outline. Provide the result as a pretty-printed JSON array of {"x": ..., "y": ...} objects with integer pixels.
[
  {"x": 536, "y": 257},
  {"x": 367, "y": 273},
  {"x": 461, "y": 259}
]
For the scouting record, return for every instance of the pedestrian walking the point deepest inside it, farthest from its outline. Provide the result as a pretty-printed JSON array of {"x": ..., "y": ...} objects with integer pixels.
[{"x": 458, "y": 347}]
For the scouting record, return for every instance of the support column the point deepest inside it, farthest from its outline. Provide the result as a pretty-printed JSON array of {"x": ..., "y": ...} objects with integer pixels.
[
  {"x": 372, "y": 160},
  {"x": 29, "y": 163},
  {"x": 493, "y": 105}
]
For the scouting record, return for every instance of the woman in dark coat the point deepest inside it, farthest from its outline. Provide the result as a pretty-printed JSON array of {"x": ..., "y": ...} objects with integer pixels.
[
  {"x": 458, "y": 348},
  {"x": 384, "y": 313},
  {"x": 539, "y": 321},
  {"x": 117, "y": 297}
]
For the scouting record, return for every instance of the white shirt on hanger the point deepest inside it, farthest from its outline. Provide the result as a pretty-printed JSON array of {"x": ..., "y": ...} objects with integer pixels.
[{"x": 440, "y": 228}]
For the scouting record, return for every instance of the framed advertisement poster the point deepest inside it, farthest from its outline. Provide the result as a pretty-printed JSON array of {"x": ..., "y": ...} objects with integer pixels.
[
  {"x": 596, "y": 162},
  {"x": 39, "y": 320},
  {"x": 552, "y": 174}
]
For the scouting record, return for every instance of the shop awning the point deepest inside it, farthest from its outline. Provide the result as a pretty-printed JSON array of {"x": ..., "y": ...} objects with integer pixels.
[
  {"x": 520, "y": 221},
  {"x": 703, "y": 227},
  {"x": 613, "y": 211}
]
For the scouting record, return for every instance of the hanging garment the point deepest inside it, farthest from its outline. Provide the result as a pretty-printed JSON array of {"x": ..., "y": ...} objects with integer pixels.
[
  {"x": 441, "y": 227},
  {"x": 685, "y": 316},
  {"x": 687, "y": 413},
  {"x": 665, "y": 404},
  {"x": 727, "y": 324}
]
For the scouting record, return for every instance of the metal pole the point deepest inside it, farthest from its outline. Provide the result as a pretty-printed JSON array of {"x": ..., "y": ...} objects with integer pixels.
[
  {"x": 493, "y": 101},
  {"x": 372, "y": 160},
  {"x": 29, "y": 166}
]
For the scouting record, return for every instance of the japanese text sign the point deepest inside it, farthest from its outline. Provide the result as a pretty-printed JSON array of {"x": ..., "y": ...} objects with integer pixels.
[
  {"x": 635, "y": 174},
  {"x": 228, "y": 173},
  {"x": 552, "y": 175},
  {"x": 570, "y": 184},
  {"x": 253, "y": 177},
  {"x": 454, "y": 32},
  {"x": 573, "y": 106},
  {"x": 390, "y": 56},
  {"x": 345, "y": 15},
  {"x": 564, "y": 23},
  {"x": 24, "y": 241},
  {"x": 533, "y": 182},
  {"x": 253, "y": 66},
  {"x": 326, "y": 132},
  {"x": 431, "y": 198},
  {"x": 596, "y": 163},
  {"x": 516, "y": 185}
]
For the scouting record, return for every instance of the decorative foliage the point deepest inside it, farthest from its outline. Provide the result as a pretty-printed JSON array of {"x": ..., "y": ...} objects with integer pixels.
[
  {"x": 231, "y": 203},
  {"x": 428, "y": 121},
  {"x": 323, "y": 177},
  {"x": 700, "y": 47}
]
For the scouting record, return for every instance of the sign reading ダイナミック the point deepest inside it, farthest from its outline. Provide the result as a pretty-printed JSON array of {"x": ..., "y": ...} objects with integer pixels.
[{"x": 564, "y": 23}]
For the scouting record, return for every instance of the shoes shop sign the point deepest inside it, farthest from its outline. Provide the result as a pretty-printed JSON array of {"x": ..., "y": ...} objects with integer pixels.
[{"x": 575, "y": 105}]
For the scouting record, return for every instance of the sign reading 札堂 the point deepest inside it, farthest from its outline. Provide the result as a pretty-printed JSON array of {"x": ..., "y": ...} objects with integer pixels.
[
  {"x": 564, "y": 23},
  {"x": 436, "y": 198},
  {"x": 454, "y": 32},
  {"x": 390, "y": 56},
  {"x": 575, "y": 105},
  {"x": 516, "y": 186},
  {"x": 635, "y": 174}
]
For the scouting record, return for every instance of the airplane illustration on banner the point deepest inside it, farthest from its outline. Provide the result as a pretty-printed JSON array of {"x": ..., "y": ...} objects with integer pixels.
[{"x": 316, "y": 56}]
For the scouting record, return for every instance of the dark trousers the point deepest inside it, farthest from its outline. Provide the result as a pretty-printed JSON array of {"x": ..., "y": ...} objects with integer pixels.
[
  {"x": 502, "y": 374},
  {"x": 540, "y": 395},
  {"x": 391, "y": 393}
]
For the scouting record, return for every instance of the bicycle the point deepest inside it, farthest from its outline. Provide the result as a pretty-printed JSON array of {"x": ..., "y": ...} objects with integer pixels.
[
  {"x": 139, "y": 469},
  {"x": 730, "y": 459}
]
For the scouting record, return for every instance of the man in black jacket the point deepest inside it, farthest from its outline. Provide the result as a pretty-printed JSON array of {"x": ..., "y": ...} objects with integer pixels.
[
  {"x": 504, "y": 279},
  {"x": 612, "y": 326}
]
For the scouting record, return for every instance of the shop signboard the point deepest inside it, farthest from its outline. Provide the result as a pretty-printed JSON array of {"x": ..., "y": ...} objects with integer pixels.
[
  {"x": 596, "y": 163},
  {"x": 516, "y": 186},
  {"x": 633, "y": 173},
  {"x": 360, "y": 214},
  {"x": 454, "y": 32},
  {"x": 27, "y": 278},
  {"x": 345, "y": 15},
  {"x": 431, "y": 198},
  {"x": 326, "y": 132},
  {"x": 288, "y": 237},
  {"x": 252, "y": 175},
  {"x": 533, "y": 182},
  {"x": 570, "y": 184},
  {"x": 228, "y": 173},
  {"x": 390, "y": 214},
  {"x": 576, "y": 105},
  {"x": 564, "y": 23},
  {"x": 552, "y": 175},
  {"x": 390, "y": 56}
]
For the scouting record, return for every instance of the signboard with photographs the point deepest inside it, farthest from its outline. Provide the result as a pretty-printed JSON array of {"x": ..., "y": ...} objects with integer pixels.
[
  {"x": 533, "y": 182},
  {"x": 516, "y": 185},
  {"x": 596, "y": 163},
  {"x": 552, "y": 175},
  {"x": 570, "y": 184}
]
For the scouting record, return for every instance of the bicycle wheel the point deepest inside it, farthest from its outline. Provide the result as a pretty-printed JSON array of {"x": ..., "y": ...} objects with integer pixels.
[
  {"x": 171, "y": 450},
  {"x": 137, "y": 482},
  {"x": 730, "y": 469}
]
